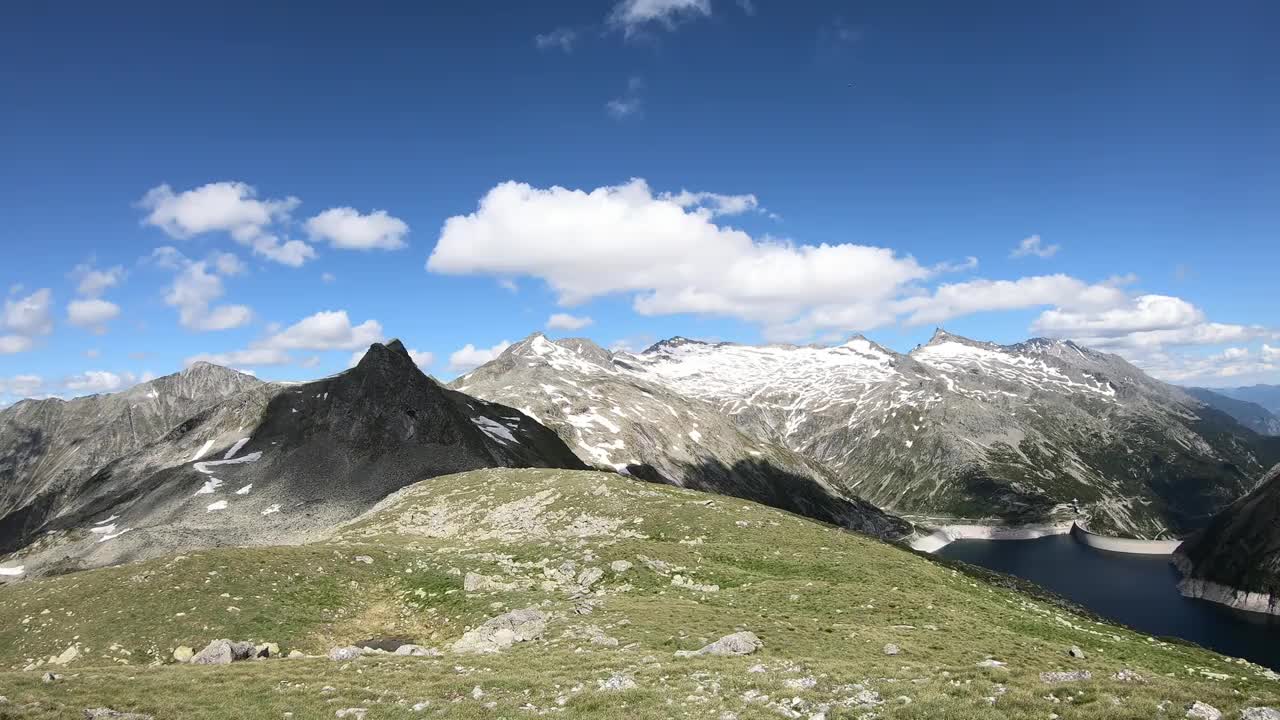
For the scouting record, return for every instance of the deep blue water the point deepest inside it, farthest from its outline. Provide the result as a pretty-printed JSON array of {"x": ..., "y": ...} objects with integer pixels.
[{"x": 1139, "y": 591}]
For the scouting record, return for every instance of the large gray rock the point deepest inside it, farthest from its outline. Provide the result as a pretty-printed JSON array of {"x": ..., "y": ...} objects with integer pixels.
[
  {"x": 1203, "y": 711},
  {"x": 1260, "y": 713},
  {"x": 343, "y": 654},
  {"x": 503, "y": 631},
  {"x": 739, "y": 643},
  {"x": 217, "y": 652}
]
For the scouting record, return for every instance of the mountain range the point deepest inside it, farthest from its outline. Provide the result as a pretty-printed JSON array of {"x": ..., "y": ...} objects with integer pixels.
[
  {"x": 855, "y": 435},
  {"x": 955, "y": 430},
  {"x": 1250, "y": 414}
]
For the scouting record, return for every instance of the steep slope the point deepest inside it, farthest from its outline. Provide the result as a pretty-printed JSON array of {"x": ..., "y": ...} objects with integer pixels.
[
  {"x": 615, "y": 418},
  {"x": 1251, "y": 415},
  {"x": 49, "y": 448},
  {"x": 962, "y": 429},
  {"x": 279, "y": 463},
  {"x": 618, "y": 584},
  {"x": 1235, "y": 560}
]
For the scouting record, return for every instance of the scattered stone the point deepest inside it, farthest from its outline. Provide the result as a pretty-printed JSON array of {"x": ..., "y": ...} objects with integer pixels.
[
  {"x": 620, "y": 566},
  {"x": 343, "y": 654},
  {"x": 891, "y": 649},
  {"x": 803, "y": 683},
  {"x": 266, "y": 650},
  {"x": 70, "y": 654},
  {"x": 217, "y": 652},
  {"x": 296, "y": 654},
  {"x": 1069, "y": 676},
  {"x": 418, "y": 651},
  {"x": 618, "y": 682},
  {"x": 681, "y": 581},
  {"x": 739, "y": 643},
  {"x": 363, "y": 559},
  {"x": 989, "y": 663},
  {"x": 95, "y": 713},
  {"x": 1076, "y": 652},
  {"x": 1131, "y": 676},
  {"x": 1201, "y": 711},
  {"x": 357, "y": 713},
  {"x": 589, "y": 577},
  {"x": 1260, "y": 713},
  {"x": 866, "y": 698},
  {"x": 475, "y": 582},
  {"x": 183, "y": 653},
  {"x": 476, "y": 693},
  {"x": 757, "y": 669},
  {"x": 419, "y": 707},
  {"x": 50, "y": 677},
  {"x": 503, "y": 631}
]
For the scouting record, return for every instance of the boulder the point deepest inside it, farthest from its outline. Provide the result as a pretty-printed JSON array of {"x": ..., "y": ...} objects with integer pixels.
[
  {"x": 183, "y": 653},
  {"x": 1202, "y": 711},
  {"x": 892, "y": 649},
  {"x": 217, "y": 652},
  {"x": 296, "y": 654},
  {"x": 266, "y": 650},
  {"x": 618, "y": 682},
  {"x": 1260, "y": 713},
  {"x": 739, "y": 643},
  {"x": 70, "y": 654},
  {"x": 1076, "y": 652},
  {"x": 50, "y": 677},
  {"x": 620, "y": 566},
  {"x": 503, "y": 631},
  {"x": 418, "y": 651},
  {"x": 342, "y": 654}
]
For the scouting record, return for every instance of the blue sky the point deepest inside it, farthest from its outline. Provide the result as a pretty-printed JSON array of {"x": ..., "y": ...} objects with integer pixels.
[{"x": 661, "y": 167}]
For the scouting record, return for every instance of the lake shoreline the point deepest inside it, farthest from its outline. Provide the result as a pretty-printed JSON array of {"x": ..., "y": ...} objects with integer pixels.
[{"x": 945, "y": 534}]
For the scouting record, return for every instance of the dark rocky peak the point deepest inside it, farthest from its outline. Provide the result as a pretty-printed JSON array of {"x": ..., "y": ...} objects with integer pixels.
[
  {"x": 391, "y": 359},
  {"x": 672, "y": 343}
]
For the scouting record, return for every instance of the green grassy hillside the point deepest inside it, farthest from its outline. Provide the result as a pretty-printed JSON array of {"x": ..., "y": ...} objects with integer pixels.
[{"x": 824, "y": 602}]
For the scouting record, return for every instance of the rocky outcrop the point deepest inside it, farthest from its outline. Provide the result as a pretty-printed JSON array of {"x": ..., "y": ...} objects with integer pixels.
[
  {"x": 503, "y": 631},
  {"x": 1235, "y": 560}
]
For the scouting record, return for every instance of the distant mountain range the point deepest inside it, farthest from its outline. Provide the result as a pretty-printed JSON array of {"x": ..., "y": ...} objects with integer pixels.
[
  {"x": 955, "y": 430},
  {"x": 1250, "y": 414}
]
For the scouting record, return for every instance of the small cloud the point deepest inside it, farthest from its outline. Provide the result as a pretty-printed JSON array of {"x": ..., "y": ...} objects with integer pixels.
[
  {"x": 1034, "y": 246},
  {"x": 562, "y": 38},
  {"x": 228, "y": 264},
  {"x": 469, "y": 357},
  {"x": 92, "y": 314},
  {"x": 565, "y": 321},
  {"x": 630, "y": 103},
  {"x": 93, "y": 282},
  {"x": 345, "y": 228},
  {"x": 508, "y": 284},
  {"x": 631, "y": 16},
  {"x": 328, "y": 277}
]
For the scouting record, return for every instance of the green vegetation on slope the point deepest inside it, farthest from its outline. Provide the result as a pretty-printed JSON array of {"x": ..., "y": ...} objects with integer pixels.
[{"x": 824, "y": 602}]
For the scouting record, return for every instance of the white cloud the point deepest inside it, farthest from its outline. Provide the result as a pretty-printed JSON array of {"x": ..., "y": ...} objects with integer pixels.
[
  {"x": 92, "y": 314},
  {"x": 241, "y": 358},
  {"x": 565, "y": 321},
  {"x": 714, "y": 204},
  {"x": 624, "y": 239},
  {"x": 330, "y": 330},
  {"x": 10, "y": 344},
  {"x": 31, "y": 315},
  {"x": 103, "y": 381},
  {"x": 1141, "y": 314},
  {"x": 193, "y": 292},
  {"x": 94, "y": 282},
  {"x": 21, "y": 385},
  {"x": 231, "y": 207},
  {"x": 328, "y": 277},
  {"x": 1034, "y": 246},
  {"x": 228, "y": 264},
  {"x": 1233, "y": 366},
  {"x": 953, "y": 300},
  {"x": 346, "y": 228},
  {"x": 623, "y": 107},
  {"x": 469, "y": 357},
  {"x": 1270, "y": 354},
  {"x": 561, "y": 37},
  {"x": 632, "y": 15}
]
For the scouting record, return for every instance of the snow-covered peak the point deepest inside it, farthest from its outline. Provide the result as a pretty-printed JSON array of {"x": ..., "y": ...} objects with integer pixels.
[{"x": 568, "y": 355}]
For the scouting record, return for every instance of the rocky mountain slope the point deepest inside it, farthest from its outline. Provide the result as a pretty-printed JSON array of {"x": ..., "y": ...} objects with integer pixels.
[
  {"x": 529, "y": 593},
  {"x": 1235, "y": 560},
  {"x": 617, "y": 418},
  {"x": 1040, "y": 431},
  {"x": 1251, "y": 415},
  {"x": 49, "y": 448},
  {"x": 277, "y": 463}
]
